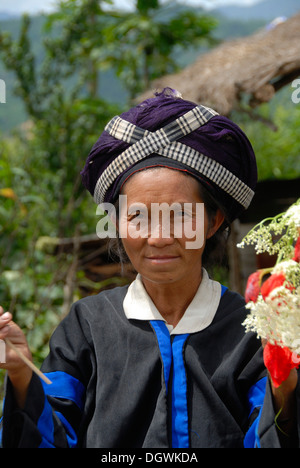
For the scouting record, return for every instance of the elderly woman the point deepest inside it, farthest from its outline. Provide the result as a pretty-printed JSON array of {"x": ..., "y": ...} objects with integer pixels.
[{"x": 165, "y": 362}]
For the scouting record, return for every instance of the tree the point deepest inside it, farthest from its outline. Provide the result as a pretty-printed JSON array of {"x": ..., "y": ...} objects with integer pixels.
[
  {"x": 277, "y": 152},
  {"x": 82, "y": 25},
  {"x": 141, "y": 44},
  {"x": 40, "y": 184},
  {"x": 67, "y": 116}
]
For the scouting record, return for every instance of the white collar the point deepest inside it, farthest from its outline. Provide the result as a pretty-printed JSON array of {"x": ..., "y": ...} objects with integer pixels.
[{"x": 199, "y": 315}]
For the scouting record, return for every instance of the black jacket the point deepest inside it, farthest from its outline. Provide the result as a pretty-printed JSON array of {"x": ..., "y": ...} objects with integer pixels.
[{"x": 120, "y": 383}]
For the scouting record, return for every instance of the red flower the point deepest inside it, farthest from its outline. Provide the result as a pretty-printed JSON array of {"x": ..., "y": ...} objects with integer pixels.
[
  {"x": 297, "y": 251},
  {"x": 279, "y": 362},
  {"x": 253, "y": 287},
  {"x": 254, "y": 284},
  {"x": 274, "y": 281}
]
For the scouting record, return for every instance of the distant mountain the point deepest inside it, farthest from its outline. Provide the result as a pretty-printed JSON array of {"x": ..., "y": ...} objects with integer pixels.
[
  {"x": 265, "y": 10},
  {"x": 6, "y": 16}
]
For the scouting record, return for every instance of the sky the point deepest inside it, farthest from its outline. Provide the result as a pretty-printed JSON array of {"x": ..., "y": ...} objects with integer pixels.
[{"x": 35, "y": 6}]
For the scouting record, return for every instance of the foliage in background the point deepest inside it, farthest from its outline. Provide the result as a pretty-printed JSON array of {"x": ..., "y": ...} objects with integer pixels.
[
  {"x": 141, "y": 44},
  {"x": 40, "y": 186},
  {"x": 277, "y": 151},
  {"x": 109, "y": 85}
]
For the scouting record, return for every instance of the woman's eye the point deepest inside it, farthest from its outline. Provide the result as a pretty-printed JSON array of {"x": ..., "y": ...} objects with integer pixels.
[
  {"x": 183, "y": 214},
  {"x": 134, "y": 215}
]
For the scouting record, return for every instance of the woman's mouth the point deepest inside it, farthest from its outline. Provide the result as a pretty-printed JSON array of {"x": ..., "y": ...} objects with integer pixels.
[{"x": 162, "y": 259}]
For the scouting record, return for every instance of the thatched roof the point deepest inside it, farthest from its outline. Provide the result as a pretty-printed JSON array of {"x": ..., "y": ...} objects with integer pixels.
[{"x": 258, "y": 65}]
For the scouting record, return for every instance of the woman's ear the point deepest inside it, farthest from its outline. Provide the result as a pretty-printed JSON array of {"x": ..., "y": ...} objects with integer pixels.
[{"x": 216, "y": 222}]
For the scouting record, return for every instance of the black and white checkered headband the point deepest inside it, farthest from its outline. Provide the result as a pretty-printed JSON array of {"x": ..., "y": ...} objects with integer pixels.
[{"x": 163, "y": 142}]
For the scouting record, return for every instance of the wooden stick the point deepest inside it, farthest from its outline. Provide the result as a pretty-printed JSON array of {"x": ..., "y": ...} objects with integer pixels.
[{"x": 27, "y": 361}]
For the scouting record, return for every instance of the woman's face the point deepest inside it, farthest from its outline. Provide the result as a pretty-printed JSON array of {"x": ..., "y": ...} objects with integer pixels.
[{"x": 160, "y": 253}]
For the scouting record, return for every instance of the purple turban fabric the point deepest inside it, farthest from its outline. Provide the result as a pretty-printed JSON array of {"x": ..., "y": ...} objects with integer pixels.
[{"x": 219, "y": 139}]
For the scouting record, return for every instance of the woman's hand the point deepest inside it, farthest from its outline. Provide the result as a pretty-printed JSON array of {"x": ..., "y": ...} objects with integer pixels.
[
  {"x": 18, "y": 372},
  {"x": 285, "y": 406},
  {"x": 284, "y": 400}
]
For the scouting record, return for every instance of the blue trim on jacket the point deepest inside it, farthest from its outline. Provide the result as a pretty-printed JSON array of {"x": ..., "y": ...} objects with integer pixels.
[
  {"x": 180, "y": 419},
  {"x": 172, "y": 353},
  {"x": 256, "y": 396},
  {"x": 65, "y": 386},
  {"x": 164, "y": 343},
  {"x": 68, "y": 388}
]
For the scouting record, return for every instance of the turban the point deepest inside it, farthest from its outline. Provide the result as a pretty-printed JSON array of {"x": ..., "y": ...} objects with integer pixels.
[{"x": 171, "y": 132}]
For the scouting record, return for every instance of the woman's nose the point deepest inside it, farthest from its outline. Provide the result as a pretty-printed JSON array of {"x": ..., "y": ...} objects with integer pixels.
[{"x": 160, "y": 236}]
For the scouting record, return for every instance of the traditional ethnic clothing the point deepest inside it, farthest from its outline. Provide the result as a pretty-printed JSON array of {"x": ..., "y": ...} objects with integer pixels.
[{"x": 121, "y": 378}]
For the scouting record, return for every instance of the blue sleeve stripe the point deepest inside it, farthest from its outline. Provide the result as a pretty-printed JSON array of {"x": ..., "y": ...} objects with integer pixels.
[
  {"x": 180, "y": 420},
  {"x": 256, "y": 396},
  {"x": 45, "y": 426},
  {"x": 223, "y": 289},
  {"x": 66, "y": 387}
]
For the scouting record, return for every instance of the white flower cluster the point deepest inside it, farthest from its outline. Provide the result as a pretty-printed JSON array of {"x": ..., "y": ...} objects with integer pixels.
[
  {"x": 277, "y": 318},
  {"x": 276, "y": 235},
  {"x": 291, "y": 270},
  {"x": 292, "y": 216}
]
